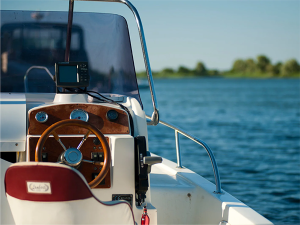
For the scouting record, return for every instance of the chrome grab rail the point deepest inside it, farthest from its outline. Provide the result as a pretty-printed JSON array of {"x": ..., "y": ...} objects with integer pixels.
[
  {"x": 154, "y": 120},
  {"x": 36, "y": 67},
  {"x": 198, "y": 141}
]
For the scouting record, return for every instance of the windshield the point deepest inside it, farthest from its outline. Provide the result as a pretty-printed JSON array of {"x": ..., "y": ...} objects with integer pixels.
[{"x": 31, "y": 38}]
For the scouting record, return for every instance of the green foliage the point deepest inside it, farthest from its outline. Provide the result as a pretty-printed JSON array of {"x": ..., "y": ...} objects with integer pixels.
[
  {"x": 142, "y": 74},
  {"x": 270, "y": 69},
  {"x": 200, "y": 69},
  {"x": 290, "y": 67},
  {"x": 239, "y": 66},
  {"x": 183, "y": 70},
  {"x": 168, "y": 70},
  {"x": 213, "y": 72},
  {"x": 263, "y": 68},
  {"x": 250, "y": 68},
  {"x": 277, "y": 68},
  {"x": 262, "y": 63}
]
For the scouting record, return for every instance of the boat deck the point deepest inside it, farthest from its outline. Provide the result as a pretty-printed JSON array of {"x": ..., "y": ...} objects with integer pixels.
[{"x": 184, "y": 197}]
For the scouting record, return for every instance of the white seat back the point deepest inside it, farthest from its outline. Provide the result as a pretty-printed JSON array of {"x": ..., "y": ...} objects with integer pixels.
[{"x": 48, "y": 193}]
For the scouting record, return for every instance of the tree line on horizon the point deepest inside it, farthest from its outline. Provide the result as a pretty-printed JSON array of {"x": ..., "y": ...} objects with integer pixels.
[
  {"x": 262, "y": 65},
  {"x": 199, "y": 70},
  {"x": 259, "y": 67}
]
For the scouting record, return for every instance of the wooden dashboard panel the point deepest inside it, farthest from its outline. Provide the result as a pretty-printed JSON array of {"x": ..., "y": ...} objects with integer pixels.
[
  {"x": 97, "y": 117},
  {"x": 54, "y": 149}
]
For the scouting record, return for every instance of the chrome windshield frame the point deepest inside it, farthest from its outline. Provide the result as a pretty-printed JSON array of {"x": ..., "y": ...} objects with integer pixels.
[{"x": 154, "y": 120}]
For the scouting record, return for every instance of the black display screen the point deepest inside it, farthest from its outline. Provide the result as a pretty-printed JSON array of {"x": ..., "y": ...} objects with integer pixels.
[
  {"x": 68, "y": 74},
  {"x": 72, "y": 74}
]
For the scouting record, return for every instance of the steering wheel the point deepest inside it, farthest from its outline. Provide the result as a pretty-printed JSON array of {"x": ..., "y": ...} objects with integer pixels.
[{"x": 73, "y": 156}]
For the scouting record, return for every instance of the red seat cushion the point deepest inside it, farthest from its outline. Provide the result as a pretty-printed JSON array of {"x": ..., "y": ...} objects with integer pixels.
[{"x": 66, "y": 184}]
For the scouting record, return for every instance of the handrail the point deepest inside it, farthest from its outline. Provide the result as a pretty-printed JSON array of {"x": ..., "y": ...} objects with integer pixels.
[
  {"x": 198, "y": 141},
  {"x": 154, "y": 120},
  {"x": 36, "y": 67}
]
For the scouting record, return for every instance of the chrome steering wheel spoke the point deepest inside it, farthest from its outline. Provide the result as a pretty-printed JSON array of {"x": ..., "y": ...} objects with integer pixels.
[
  {"x": 88, "y": 161},
  {"x": 58, "y": 140},
  {"x": 84, "y": 139}
]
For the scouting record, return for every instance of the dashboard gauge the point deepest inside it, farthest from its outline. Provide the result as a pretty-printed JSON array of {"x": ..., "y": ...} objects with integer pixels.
[
  {"x": 112, "y": 115},
  {"x": 41, "y": 117},
  {"x": 79, "y": 114}
]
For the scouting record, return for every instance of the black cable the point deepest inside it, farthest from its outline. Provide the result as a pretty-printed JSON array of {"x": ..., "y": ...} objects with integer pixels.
[{"x": 105, "y": 99}]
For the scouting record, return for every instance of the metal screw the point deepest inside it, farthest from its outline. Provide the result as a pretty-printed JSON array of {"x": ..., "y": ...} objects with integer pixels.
[{"x": 16, "y": 144}]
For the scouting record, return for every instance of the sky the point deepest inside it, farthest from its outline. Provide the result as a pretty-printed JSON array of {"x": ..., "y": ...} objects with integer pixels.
[{"x": 216, "y": 32}]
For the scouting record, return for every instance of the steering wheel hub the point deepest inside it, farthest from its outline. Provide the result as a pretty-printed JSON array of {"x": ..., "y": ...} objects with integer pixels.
[{"x": 72, "y": 157}]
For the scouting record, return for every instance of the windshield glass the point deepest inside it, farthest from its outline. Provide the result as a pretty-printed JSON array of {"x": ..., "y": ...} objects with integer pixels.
[{"x": 31, "y": 38}]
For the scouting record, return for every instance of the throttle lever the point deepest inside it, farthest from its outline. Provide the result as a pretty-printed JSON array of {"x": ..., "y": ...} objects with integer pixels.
[{"x": 150, "y": 160}]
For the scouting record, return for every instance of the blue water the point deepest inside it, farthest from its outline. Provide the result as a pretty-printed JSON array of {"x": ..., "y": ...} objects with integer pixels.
[{"x": 253, "y": 128}]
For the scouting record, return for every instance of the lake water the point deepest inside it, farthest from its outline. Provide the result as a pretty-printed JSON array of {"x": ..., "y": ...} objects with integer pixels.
[{"x": 253, "y": 129}]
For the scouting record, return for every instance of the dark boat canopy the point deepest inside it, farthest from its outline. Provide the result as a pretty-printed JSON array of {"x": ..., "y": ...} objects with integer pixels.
[{"x": 31, "y": 38}]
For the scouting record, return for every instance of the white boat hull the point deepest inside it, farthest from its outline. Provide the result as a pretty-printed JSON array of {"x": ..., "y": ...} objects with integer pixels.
[{"x": 183, "y": 197}]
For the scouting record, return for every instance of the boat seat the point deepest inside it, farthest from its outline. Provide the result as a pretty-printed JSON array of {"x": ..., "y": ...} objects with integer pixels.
[{"x": 49, "y": 193}]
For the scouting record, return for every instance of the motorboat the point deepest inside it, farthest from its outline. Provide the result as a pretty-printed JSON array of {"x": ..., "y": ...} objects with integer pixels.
[{"x": 74, "y": 140}]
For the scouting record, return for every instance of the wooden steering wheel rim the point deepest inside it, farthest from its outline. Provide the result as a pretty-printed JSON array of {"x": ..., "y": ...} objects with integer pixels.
[{"x": 79, "y": 123}]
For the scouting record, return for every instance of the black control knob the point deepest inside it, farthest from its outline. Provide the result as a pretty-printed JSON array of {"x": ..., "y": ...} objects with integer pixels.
[
  {"x": 112, "y": 115},
  {"x": 96, "y": 141}
]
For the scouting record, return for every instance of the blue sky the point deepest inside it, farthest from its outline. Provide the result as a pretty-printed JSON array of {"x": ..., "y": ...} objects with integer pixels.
[{"x": 183, "y": 32}]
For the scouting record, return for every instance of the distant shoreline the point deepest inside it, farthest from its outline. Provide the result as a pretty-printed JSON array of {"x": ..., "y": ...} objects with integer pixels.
[
  {"x": 142, "y": 75},
  {"x": 259, "y": 68}
]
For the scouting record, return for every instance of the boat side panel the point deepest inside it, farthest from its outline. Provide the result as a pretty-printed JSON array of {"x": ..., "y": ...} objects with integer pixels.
[
  {"x": 5, "y": 213},
  {"x": 13, "y": 122},
  {"x": 178, "y": 200},
  {"x": 122, "y": 168},
  {"x": 139, "y": 117},
  {"x": 122, "y": 173},
  {"x": 206, "y": 207},
  {"x": 228, "y": 207},
  {"x": 238, "y": 214}
]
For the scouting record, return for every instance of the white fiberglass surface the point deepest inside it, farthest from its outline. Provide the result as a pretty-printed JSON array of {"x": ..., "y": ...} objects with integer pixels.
[
  {"x": 183, "y": 197},
  {"x": 13, "y": 122}
]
